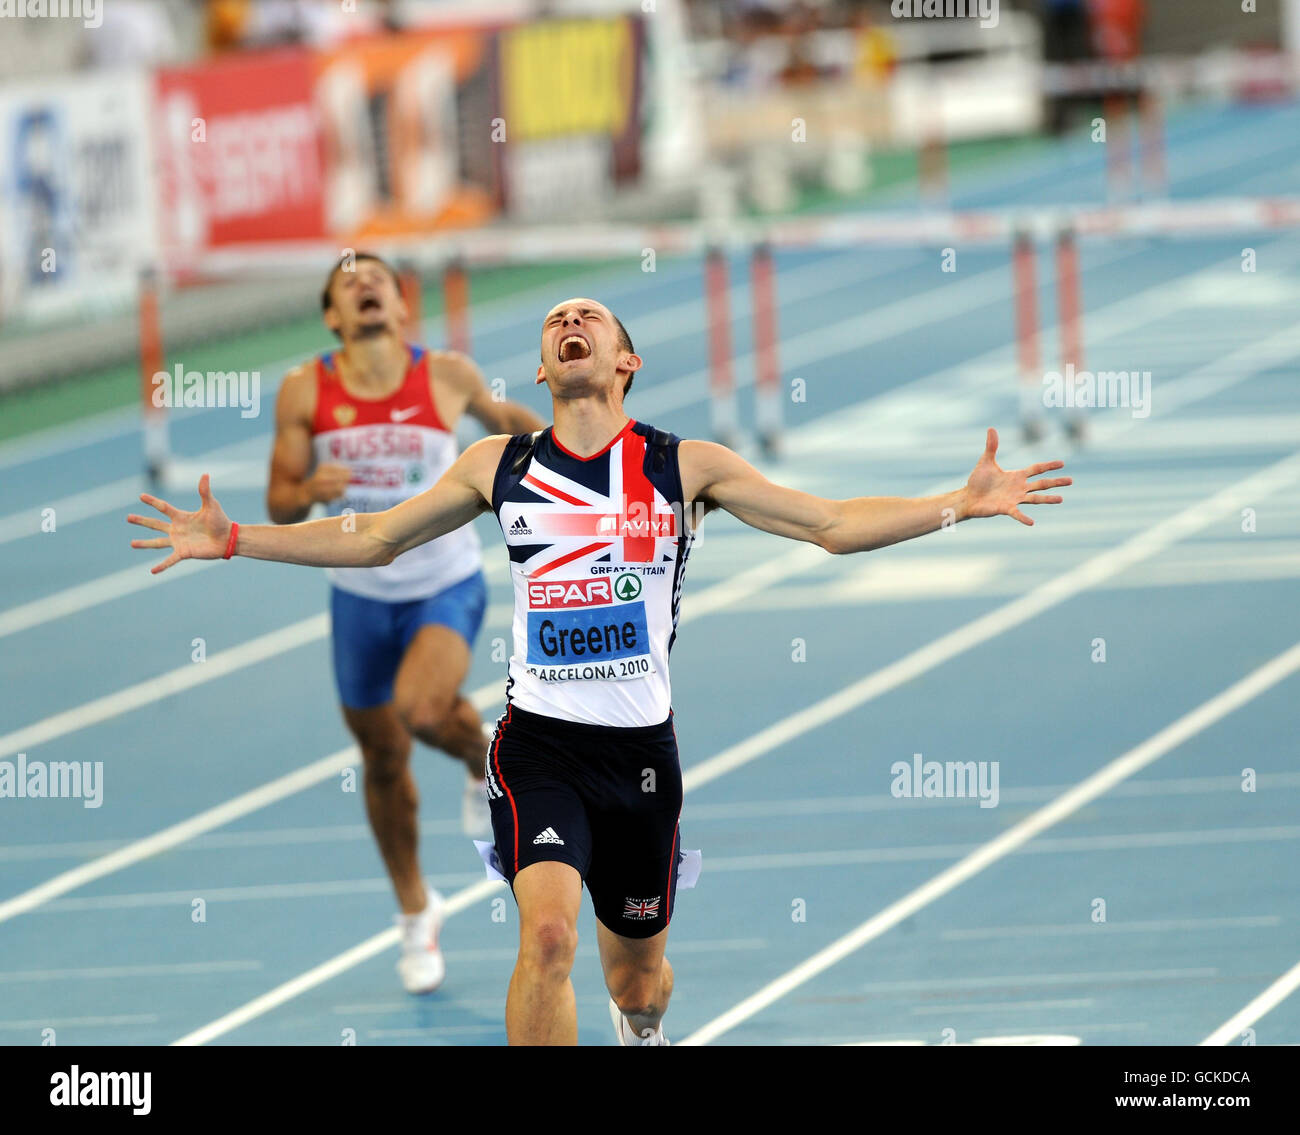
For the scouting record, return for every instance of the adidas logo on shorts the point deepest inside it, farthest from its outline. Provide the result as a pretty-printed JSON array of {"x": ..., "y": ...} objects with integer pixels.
[
  {"x": 548, "y": 836},
  {"x": 519, "y": 528}
]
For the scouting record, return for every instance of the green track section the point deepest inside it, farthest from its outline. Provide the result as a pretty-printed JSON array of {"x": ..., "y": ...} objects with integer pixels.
[{"x": 116, "y": 387}]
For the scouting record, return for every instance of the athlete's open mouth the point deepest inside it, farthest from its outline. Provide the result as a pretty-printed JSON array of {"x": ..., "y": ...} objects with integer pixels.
[
  {"x": 574, "y": 347},
  {"x": 370, "y": 303}
]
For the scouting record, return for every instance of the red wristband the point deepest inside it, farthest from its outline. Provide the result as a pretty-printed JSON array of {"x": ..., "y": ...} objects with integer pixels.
[{"x": 230, "y": 544}]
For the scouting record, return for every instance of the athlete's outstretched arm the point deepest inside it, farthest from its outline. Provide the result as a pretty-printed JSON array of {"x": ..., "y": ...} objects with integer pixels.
[
  {"x": 365, "y": 539},
  {"x": 718, "y": 477}
]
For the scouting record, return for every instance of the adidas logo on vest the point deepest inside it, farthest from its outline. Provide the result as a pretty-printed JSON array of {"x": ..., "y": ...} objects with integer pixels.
[{"x": 548, "y": 836}]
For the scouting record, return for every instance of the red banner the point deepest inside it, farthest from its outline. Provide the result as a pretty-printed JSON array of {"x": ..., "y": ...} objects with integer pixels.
[{"x": 240, "y": 155}]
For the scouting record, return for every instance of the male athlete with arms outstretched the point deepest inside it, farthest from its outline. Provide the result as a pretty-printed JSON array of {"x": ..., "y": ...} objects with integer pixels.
[
  {"x": 595, "y": 516},
  {"x": 360, "y": 429}
]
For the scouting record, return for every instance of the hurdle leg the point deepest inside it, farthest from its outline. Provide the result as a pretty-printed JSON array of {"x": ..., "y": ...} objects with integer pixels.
[
  {"x": 408, "y": 277},
  {"x": 1023, "y": 256},
  {"x": 1119, "y": 145},
  {"x": 767, "y": 364},
  {"x": 1151, "y": 114},
  {"x": 157, "y": 446},
  {"x": 455, "y": 303},
  {"x": 1070, "y": 318},
  {"x": 722, "y": 381}
]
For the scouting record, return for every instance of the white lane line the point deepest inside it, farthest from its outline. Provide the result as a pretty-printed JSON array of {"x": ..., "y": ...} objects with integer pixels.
[
  {"x": 1154, "y": 576},
  {"x": 1137, "y": 840},
  {"x": 67, "y": 510},
  {"x": 112, "y": 973},
  {"x": 1190, "y": 520},
  {"x": 264, "y": 837},
  {"x": 1270, "y": 999},
  {"x": 861, "y": 856},
  {"x": 440, "y": 1030},
  {"x": 53, "y": 440},
  {"x": 263, "y": 892},
  {"x": 362, "y": 952},
  {"x": 167, "y": 838},
  {"x": 1054, "y": 1035},
  {"x": 1017, "y": 980},
  {"x": 175, "y": 681},
  {"x": 828, "y": 805},
  {"x": 80, "y": 1022},
  {"x": 1042, "y": 598},
  {"x": 90, "y": 594},
  {"x": 114, "y": 495},
  {"x": 996, "y": 1006},
  {"x": 1147, "y": 926},
  {"x": 1087, "y": 790}
]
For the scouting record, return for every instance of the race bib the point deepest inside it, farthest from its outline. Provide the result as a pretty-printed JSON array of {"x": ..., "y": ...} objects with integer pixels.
[{"x": 604, "y": 643}]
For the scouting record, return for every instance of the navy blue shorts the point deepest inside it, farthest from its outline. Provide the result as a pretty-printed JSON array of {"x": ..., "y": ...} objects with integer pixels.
[
  {"x": 605, "y": 801},
  {"x": 371, "y": 635}
]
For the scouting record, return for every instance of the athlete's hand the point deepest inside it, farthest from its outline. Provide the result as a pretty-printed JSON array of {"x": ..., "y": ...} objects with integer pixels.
[
  {"x": 201, "y": 535},
  {"x": 992, "y": 491},
  {"x": 327, "y": 483}
]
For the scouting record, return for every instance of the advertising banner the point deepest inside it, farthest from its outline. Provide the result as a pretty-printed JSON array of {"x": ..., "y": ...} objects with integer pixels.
[
  {"x": 76, "y": 202},
  {"x": 240, "y": 153},
  {"x": 407, "y": 128},
  {"x": 571, "y": 105}
]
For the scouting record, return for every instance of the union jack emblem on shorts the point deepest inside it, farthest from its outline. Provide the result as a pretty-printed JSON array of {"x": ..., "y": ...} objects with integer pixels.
[{"x": 641, "y": 909}]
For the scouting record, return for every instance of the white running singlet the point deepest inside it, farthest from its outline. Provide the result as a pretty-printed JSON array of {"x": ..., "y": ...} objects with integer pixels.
[
  {"x": 395, "y": 447},
  {"x": 597, "y": 558}
]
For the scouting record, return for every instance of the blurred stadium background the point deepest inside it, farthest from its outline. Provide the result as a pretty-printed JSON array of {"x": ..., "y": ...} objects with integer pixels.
[{"x": 846, "y": 237}]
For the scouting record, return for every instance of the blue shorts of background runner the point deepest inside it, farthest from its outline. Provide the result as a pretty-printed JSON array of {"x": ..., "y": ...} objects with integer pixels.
[{"x": 371, "y": 635}]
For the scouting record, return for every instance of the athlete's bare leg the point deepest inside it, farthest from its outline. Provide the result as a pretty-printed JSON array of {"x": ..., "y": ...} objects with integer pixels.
[
  {"x": 637, "y": 975},
  {"x": 426, "y": 702},
  {"x": 539, "y": 1007},
  {"x": 426, "y": 694},
  {"x": 392, "y": 800}
]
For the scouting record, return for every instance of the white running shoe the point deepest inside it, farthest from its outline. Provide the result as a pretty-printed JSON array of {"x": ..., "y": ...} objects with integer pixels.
[
  {"x": 475, "y": 814},
  {"x": 627, "y": 1035},
  {"x": 421, "y": 966}
]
